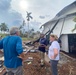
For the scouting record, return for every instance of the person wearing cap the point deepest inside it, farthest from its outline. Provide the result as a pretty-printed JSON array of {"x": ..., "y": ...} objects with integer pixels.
[
  {"x": 53, "y": 54},
  {"x": 12, "y": 48}
]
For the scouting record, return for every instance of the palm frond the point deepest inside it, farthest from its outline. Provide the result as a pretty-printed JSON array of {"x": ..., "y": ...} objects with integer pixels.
[
  {"x": 31, "y": 17},
  {"x": 74, "y": 19},
  {"x": 74, "y": 28}
]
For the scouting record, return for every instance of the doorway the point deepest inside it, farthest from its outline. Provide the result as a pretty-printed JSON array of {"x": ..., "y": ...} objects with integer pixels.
[{"x": 72, "y": 43}]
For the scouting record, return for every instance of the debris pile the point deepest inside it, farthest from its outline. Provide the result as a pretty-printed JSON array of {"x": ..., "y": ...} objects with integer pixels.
[{"x": 31, "y": 65}]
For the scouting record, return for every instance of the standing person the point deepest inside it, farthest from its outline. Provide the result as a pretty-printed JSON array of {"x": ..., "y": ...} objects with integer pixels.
[
  {"x": 53, "y": 54},
  {"x": 42, "y": 47},
  {"x": 12, "y": 46},
  {"x": 60, "y": 43}
]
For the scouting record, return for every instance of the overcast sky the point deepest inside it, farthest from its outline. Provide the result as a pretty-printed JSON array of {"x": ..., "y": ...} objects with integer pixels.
[{"x": 12, "y": 12}]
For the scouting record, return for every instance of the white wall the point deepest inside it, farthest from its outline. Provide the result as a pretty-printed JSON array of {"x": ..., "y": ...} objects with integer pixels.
[
  {"x": 69, "y": 24},
  {"x": 48, "y": 26},
  {"x": 64, "y": 40},
  {"x": 58, "y": 28}
]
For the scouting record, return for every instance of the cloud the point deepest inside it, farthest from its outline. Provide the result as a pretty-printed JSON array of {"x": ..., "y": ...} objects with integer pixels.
[
  {"x": 42, "y": 17},
  {"x": 11, "y": 18},
  {"x": 42, "y": 11},
  {"x": 47, "y": 15},
  {"x": 35, "y": 25},
  {"x": 4, "y": 5}
]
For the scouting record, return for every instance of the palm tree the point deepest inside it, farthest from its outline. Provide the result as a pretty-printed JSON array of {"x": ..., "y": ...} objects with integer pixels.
[
  {"x": 29, "y": 16},
  {"x": 21, "y": 28},
  {"x": 23, "y": 24},
  {"x": 28, "y": 19},
  {"x": 3, "y": 27}
]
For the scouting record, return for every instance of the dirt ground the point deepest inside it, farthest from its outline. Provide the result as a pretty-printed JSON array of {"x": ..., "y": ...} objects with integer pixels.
[
  {"x": 34, "y": 67},
  {"x": 66, "y": 66}
]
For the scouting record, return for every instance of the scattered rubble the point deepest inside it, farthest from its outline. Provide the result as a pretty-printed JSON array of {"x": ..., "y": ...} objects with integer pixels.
[
  {"x": 31, "y": 65},
  {"x": 66, "y": 67}
]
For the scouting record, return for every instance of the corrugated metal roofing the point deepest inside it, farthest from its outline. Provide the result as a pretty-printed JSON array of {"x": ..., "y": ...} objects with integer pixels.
[{"x": 60, "y": 14}]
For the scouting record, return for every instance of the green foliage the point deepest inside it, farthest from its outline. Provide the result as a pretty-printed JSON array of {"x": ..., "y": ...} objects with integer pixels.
[
  {"x": 3, "y": 27},
  {"x": 74, "y": 28},
  {"x": 27, "y": 39},
  {"x": 75, "y": 25},
  {"x": 3, "y": 35},
  {"x": 74, "y": 19}
]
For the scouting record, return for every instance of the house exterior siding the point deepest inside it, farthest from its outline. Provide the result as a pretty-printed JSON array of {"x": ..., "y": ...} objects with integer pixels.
[{"x": 64, "y": 26}]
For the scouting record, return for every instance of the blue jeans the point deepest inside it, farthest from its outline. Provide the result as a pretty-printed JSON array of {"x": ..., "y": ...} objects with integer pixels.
[{"x": 54, "y": 67}]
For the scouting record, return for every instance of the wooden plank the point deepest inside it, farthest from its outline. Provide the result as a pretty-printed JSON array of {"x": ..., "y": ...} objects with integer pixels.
[{"x": 68, "y": 56}]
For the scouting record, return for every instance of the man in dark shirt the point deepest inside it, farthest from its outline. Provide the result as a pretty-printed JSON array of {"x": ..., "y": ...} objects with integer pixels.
[{"x": 42, "y": 48}]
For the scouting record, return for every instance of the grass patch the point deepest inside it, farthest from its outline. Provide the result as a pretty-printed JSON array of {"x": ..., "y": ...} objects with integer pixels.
[
  {"x": 23, "y": 38},
  {"x": 3, "y": 35},
  {"x": 27, "y": 39}
]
